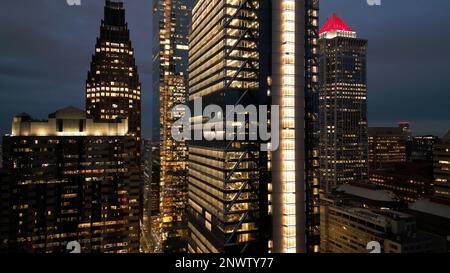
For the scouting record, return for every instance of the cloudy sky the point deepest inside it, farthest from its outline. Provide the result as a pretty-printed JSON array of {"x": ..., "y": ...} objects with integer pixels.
[{"x": 46, "y": 48}]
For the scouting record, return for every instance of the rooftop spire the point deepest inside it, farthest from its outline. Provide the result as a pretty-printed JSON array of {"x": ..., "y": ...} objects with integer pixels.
[{"x": 335, "y": 24}]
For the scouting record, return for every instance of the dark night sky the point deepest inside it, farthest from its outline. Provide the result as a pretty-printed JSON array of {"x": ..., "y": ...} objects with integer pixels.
[{"x": 46, "y": 48}]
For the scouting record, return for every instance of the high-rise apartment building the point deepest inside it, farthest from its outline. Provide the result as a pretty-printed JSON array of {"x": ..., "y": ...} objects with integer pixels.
[
  {"x": 70, "y": 179},
  {"x": 441, "y": 158},
  {"x": 245, "y": 52},
  {"x": 343, "y": 105},
  {"x": 387, "y": 146},
  {"x": 172, "y": 20},
  {"x": 113, "y": 90}
]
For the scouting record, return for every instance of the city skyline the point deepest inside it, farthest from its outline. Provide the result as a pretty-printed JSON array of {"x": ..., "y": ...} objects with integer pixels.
[
  {"x": 390, "y": 47},
  {"x": 328, "y": 179}
]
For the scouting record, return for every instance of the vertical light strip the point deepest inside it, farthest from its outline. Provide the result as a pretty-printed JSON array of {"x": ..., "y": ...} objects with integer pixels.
[{"x": 288, "y": 144}]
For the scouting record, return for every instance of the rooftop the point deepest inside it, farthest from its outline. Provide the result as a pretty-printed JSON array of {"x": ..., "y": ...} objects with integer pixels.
[{"x": 335, "y": 23}]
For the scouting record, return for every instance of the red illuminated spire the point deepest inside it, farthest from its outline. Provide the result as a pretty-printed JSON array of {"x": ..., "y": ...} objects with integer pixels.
[{"x": 335, "y": 23}]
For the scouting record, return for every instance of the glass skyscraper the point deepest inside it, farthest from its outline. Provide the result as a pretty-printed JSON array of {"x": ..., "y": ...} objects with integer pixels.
[
  {"x": 172, "y": 19},
  {"x": 241, "y": 198},
  {"x": 343, "y": 106}
]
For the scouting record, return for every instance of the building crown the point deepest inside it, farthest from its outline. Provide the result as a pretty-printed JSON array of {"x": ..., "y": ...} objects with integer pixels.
[{"x": 336, "y": 27}]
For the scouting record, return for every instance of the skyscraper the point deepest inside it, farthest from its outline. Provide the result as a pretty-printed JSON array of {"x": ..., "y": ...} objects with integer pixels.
[
  {"x": 343, "y": 105},
  {"x": 172, "y": 19},
  {"x": 70, "y": 179},
  {"x": 113, "y": 90},
  {"x": 254, "y": 53},
  {"x": 226, "y": 209},
  {"x": 294, "y": 194}
]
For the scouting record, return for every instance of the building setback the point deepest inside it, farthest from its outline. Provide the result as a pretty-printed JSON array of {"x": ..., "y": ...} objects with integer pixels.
[
  {"x": 343, "y": 105},
  {"x": 172, "y": 20},
  {"x": 70, "y": 179}
]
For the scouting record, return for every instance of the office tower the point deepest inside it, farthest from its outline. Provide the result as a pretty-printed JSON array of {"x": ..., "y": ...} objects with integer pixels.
[
  {"x": 1, "y": 157},
  {"x": 226, "y": 209},
  {"x": 343, "y": 105},
  {"x": 255, "y": 53},
  {"x": 441, "y": 158},
  {"x": 351, "y": 217},
  {"x": 420, "y": 148},
  {"x": 71, "y": 179},
  {"x": 410, "y": 181},
  {"x": 113, "y": 90},
  {"x": 172, "y": 19},
  {"x": 387, "y": 146},
  {"x": 294, "y": 187}
]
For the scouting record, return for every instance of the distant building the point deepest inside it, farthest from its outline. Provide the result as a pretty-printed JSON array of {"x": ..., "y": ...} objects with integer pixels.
[
  {"x": 420, "y": 148},
  {"x": 70, "y": 179},
  {"x": 343, "y": 105},
  {"x": 348, "y": 224},
  {"x": 410, "y": 182},
  {"x": 387, "y": 146},
  {"x": 441, "y": 160}
]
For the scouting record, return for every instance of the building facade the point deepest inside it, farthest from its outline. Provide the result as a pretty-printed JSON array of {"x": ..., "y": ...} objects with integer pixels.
[
  {"x": 172, "y": 20},
  {"x": 420, "y": 148},
  {"x": 255, "y": 53},
  {"x": 387, "y": 146},
  {"x": 441, "y": 158},
  {"x": 410, "y": 182},
  {"x": 349, "y": 224},
  {"x": 70, "y": 179},
  {"x": 225, "y": 187},
  {"x": 294, "y": 187},
  {"x": 343, "y": 105},
  {"x": 113, "y": 90}
]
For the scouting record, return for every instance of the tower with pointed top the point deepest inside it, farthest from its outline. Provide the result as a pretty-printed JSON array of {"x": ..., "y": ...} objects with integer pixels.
[
  {"x": 113, "y": 90},
  {"x": 342, "y": 105}
]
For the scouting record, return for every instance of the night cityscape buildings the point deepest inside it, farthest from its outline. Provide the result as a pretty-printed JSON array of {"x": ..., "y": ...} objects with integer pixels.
[
  {"x": 71, "y": 179},
  {"x": 227, "y": 205},
  {"x": 258, "y": 55},
  {"x": 171, "y": 23},
  {"x": 343, "y": 105},
  {"x": 332, "y": 184}
]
